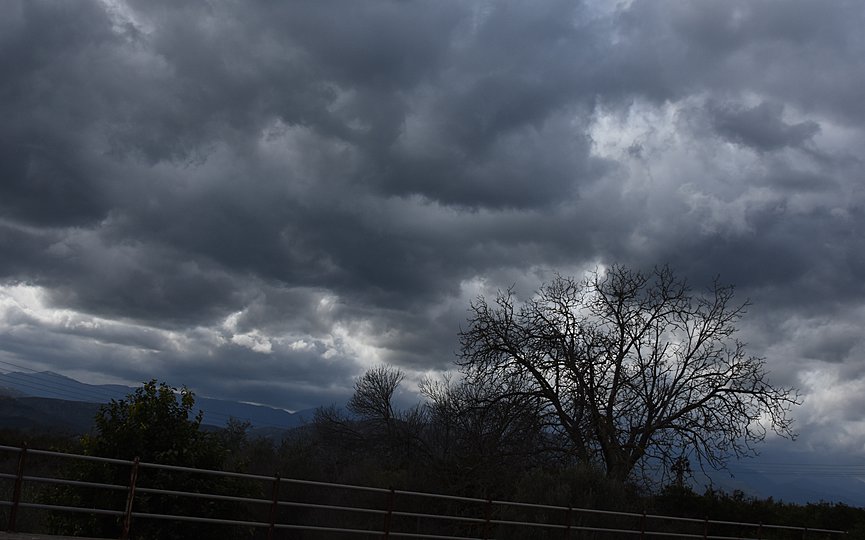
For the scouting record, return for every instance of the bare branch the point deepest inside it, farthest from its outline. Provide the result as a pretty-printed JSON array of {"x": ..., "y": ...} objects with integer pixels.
[{"x": 630, "y": 366}]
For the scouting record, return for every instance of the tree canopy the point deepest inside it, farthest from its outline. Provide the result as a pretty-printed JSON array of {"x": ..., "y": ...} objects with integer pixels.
[
  {"x": 154, "y": 423},
  {"x": 629, "y": 367}
]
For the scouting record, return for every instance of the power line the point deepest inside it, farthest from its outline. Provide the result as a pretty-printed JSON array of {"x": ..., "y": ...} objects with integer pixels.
[
  {"x": 820, "y": 470},
  {"x": 57, "y": 388}
]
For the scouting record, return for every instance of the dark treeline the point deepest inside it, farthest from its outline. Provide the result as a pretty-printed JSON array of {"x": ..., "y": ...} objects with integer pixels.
[{"x": 451, "y": 444}]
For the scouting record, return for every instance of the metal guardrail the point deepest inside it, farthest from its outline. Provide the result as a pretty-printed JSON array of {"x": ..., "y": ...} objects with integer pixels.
[{"x": 483, "y": 523}]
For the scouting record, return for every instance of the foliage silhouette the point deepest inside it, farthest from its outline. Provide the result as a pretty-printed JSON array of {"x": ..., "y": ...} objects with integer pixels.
[{"x": 155, "y": 424}]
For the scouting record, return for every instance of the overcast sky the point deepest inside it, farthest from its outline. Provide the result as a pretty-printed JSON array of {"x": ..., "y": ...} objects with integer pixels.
[{"x": 261, "y": 199}]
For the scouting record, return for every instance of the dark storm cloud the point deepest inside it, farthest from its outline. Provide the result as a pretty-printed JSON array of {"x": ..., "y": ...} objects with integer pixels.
[
  {"x": 263, "y": 198},
  {"x": 669, "y": 49},
  {"x": 23, "y": 250},
  {"x": 125, "y": 279},
  {"x": 760, "y": 127},
  {"x": 45, "y": 184},
  {"x": 293, "y": 379}
]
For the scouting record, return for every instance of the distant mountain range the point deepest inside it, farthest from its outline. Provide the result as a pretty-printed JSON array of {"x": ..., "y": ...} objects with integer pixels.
[
  {"x": 50, "y": 400},
  {"x": 760, "y": 477}
]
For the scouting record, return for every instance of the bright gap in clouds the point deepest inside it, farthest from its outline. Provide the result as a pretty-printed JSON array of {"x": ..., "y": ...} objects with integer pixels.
[
  {"x": 136, "y": 351},
  {"x": 25, "y": 312}
]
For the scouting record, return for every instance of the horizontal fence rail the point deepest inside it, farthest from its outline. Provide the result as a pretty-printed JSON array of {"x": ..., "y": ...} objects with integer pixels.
[{"x": 274, "y": 507}]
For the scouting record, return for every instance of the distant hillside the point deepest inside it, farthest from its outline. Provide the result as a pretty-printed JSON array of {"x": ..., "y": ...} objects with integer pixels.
[
  {"x": 47, "y": 415},
  {"x": 65, "y": 390}
]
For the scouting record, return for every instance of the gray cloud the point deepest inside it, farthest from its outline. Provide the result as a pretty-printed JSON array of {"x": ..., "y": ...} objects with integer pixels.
[
  {"x": 760, "y": 127},
  {"x": 261, "y": 200}
]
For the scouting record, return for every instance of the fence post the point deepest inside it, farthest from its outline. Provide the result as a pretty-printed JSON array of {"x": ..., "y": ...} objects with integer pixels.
[
  {"x": 488, "y": 519},
  {"x": 570, "y": 521},
  {"x": 130, "y": 498},
  {"x": 274, "y": 507},
  {"x": 760, "y": 531},
  {"x": 643, "y": 525},
  {"x": 389, "y": 514},
  {"x": 706, "y": 529},
  {"x": 16, "y": 494}
]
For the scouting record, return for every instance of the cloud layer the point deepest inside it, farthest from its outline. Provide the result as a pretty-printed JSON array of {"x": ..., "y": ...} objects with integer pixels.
[{"x": 259, "y": 200}]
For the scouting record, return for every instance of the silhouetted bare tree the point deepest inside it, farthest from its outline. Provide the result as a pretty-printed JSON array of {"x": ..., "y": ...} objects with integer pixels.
[
  {"x": 628, "y": 367},
  {"x": 377, "y": 429},
  {"x": 474, "y": 434},
  {"x": 373, "y": 393}
]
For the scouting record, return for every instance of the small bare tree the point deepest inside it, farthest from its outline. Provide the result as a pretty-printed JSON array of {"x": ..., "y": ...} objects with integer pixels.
[
  {"x": 398, "y": 431},
  {"x": 373, "y": 393},
  {"x": 629, "y": 367}
]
